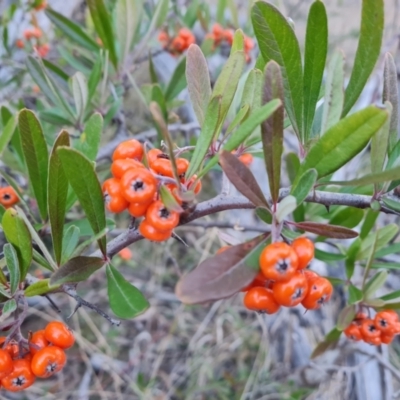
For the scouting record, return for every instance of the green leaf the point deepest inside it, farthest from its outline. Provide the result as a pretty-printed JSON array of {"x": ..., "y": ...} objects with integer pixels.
[
  {"x": 36, "y": 156},
  {"x": 350, "y": 262},
  {"x": 334, "y": 92},
  {"x": 128, "y": 13},
  {"x": 177, "y": 82},
  {"x": 345, "y": 317},
  {"x": 368, "y": 50},
  {"x": 82, "y": 246},
  {"x": 76, "y": 269},
  {"x": 7, "y": 133},
  {"x": 89, "y": 141},
  {"x": 242, "y": 178},
  {"x": 375, "y": 283},
  {"x": 278, "y": 42},
  {"x": 285, "y": 208},
  {"x": 169, "y": 200},
  {"x": 56, "y": 70},
  {"x": 272, "y": 128},
  {"x": 331, "y": 339},
  {"x": 252, "y": 91},
  {"x": 72, "y": 30},
  {"x": 11, "y": 257},
  {"x": 209, "y": 128},
  {"x": 391, "y": 296},
  {"x": 57, "y": 191},
  {"x": 369, "y": 223},
  {"x": 348, "y": 217},
  {"x": 126, "y": 300},
  {"x": 18, "y": 235},
  {"x": 69, "y": 242},
  {"x": 41, "y": 261},
  {"x": 355, "y": 296},
  {"x": 102, "y": 22},
  {"x": 264, "y": 214},
  {"x": 304, "y": 186},
  {"x": 330, "y": 231},
  {"x": 343, "y": 141},
  {"x": 314, "y": 61},
  {"x": 244, "y": 131},
  {"x": 392, "y": 204},
  {"x": 239, "y": 118},
  {"x": 80, "y": 92},
  {"x": 391, "y": 249},
  {"x": 222, "y": 275},
  {"x": 328, "y": 257},
  {"x": 82, "y": 177},
  {"x": 9, "y": 307},
  {"x": 95, "y": 76},
  {"x": 391, "y": 94},
  {"x": 198, "y": 82},
  {"x": 38, "y": 288}
]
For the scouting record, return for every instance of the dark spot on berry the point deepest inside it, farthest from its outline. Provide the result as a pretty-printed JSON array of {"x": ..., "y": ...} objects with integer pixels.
[
  {"x": 19, "y": 381},
  {"x": 138, "y": 185},
  {"x": 164, "y": 213},
  {"x": 297, "y": 294},
  {"x": 283, "y": 265}
]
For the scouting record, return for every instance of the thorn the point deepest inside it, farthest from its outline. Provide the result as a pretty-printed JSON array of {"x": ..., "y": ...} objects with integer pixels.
[
  {"x": 328, "y": 208},
  {"x": 53, "y": 305},
  {"x": 179, "y": 239}
]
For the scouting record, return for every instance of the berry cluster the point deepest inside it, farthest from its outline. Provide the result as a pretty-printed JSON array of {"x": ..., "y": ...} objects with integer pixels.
[
  {"x": 33, "y": 36},
  {"x": 178, "y": 44},
  {"x": 8, "y": 197},
  {"x": 220, "y": 35},
  {"x": 284, "y": 281},
  {"x": 136, "y": 187},
  {"x": 382, "y": 329},
  {"x": 44, "y": 357}
]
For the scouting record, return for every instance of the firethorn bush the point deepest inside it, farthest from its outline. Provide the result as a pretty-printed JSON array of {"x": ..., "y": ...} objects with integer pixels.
[{"x": 80, "y": 184}]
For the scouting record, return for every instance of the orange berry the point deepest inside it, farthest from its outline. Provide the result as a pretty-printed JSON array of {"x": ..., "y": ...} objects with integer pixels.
[
  {"x": 161, "y": 218},
  {"x": 246, "y": 159},
  {"x": 138, "y": 210},
  {"x": 304, "y": 248},
  {"x": 138, "y": 185},
  {"x": 43, "y": 50},
  {"x": 386, "y": 321},
  {"x": 120, "y": 166},
  {"x": 20, "y": 378},
  {"x": 37, "y": 342},
  {"x": 353, "y": 332},
  {"x": 278, "y": 261},
  {"x": 185, "y": 33},
  {"x": 197, "y": 187},
  {"x": 128, "y": 149},
  {"x": 125, "y": 254},
  {"x": 370, "y": 331},
  {"x": 261, "y": 299},
  {"x": 20, "y": 43},
  {"x": 319, "y": 292},
  {"x": 259, "y": 280},
  {"x": 248, "y": 44},
  {"x": 163, "y": 37},
  {"x": 112, "y": 192},
  {"x": 152, "y": 155},
  {"x": 386, "y": 339},
  {"x": 178, "y": 44},
  {"x": 228, "y": 36},
  {"x": 8, "y": 197},
  {"x": 48, "y": 361},
  {"x": 6, "y": 363},
  {"x": 292, "y": 292},
  {"x": 218, "y": 31},
  {"x": 151, "y": 233},
  {"x": 59, "y": 334},
  {"x": 12, "y": 347},
  {"x": 310, "y": 274}
]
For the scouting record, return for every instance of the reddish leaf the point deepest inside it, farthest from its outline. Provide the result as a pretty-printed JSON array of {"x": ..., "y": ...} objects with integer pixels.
[
  {"x": 331, "y": 231},
  {"x": 223, "y": 275},
  {"x": 272, "y": 128},
  {"x": 242, "y": 178}
]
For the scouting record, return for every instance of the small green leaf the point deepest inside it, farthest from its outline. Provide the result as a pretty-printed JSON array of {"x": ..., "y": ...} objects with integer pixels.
[
  {"x": 242, "y": 178},
  {"x": 76, "y": 269},
  {"x": 355, "y": 296},
  {"x": 82, "y": 177},
  {"x": 391, "y": 296},
  {"x": 71, "y": 30},
  {"x": 7, "y": 133},
  {"x": 239, "y": 118},
  {"x": 343, "y": 141},
  {"x": 330, "y": 231},
  {"x": 314, "y": 61},
  {"x": 169, "y": 200},
  {"x": 369, "y": 223},
  {"x": 252, "y": 91},
  {"x": 82, "y": 246},
  {"x": 328, "y": 257},
  {"x": 238, "y": 41},
  {"x": 69, "y": 242},
  {"x": 375, "y": 303},
  {"x": 286, "y": 207},
  {"x": 36, "y": 156},
  {"x": 11, "y": 257},
  {"x": 350, "y": 262},
  {"x": 329, "y": 342},
  {"x": 89, "y": 141},
  {"x": 334, "y": 92},
  {"x": 264, "y": 214},
  {"x": 368, "y": 50},
  {"x": 95, "y": 76},
  {"x": 391, "y": 94},
  {"x": 348, "y": 217},
  {"x": 57, "y": 191},
  {"x": 272, "y": 128},
  {"x": 9, "y": 307},
  {"x": 80, "y": 92},
  {"x": 18, "y": 235},
  {"x": 38, "y": 288},
  {"x": 126, "y": 300},
  {"x": 345, "y": 317},
  {"x": 103, "y": 23},
  {"x": 304, "y": 186},
  {"x": 375, "y": 283},
  {"x": 40, "y": 260},
  {"x": 392, "y": 204},
  {"x": 177, "y": 82},
  {"x": 278, "y": 42}
]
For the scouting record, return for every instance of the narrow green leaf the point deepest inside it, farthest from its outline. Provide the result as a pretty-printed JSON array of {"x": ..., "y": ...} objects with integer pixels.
[
  {"x": 350, "y": 262},
  {"x": 177, "y": 82},
  {"x": 392, "y": 204},
  {"x": 242, "y": 178},
  {"x": 391, "y": 296},
  {"x": 95, "y": 76},
  {"x": 252, "y": 91},
  {"x": 331, "y": 339},
  {"x": 41, "y": 261},
  {"x": 264, "y": 214},
  {"x": 343, "y": 141},
  {"x": 238, "y": 41},
  {"x": 375, "y": 283},
  {"x": 169, "y": 200},
  {"x": 369, "y": 223},
  {"x": 391, "y": 249},
  {"x": 36, "y": 156},
  {"x": 82, "y": 177},
  {"x": 126, "y": 300},
  {"x": 272, "y": 128},
  {"x": 7, "y": 133},
  {"x": 314, "y": 61},
  {"x": 304, "y": 186},
  {"x": 278, "y": 42},
  {"x": 102, "y": 22},
  {"x": 346, "y": 316},
  {"x": 368, "y": 50},
  {"x": 334, "y": 92},
  {"x": 76, "y": 269},
  {"x": 239, "y": 118},
  {"x": 81, "y": 93},
  {"x": 285, "y": 208},
  {"x": 328, "y": 257},
  {"x": 82, "y": 246},
  {"x": 9, "y": 307},
  {"x": 38, "y": 288},
  {"x": 57, "y": 191},
  {"x": 71, "y": 30},
  {"x": 391, "y": 94},
  {"x": 56, "y": 70},
  {"x": 89, "y": 141},
  {"x": 355, "y": 296},
  {"x": 348, "y": 217},
  {"x": 11, "y": 257},
  {"x": 70, "y": 241},
  {"x": 18, "y": 235}
]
